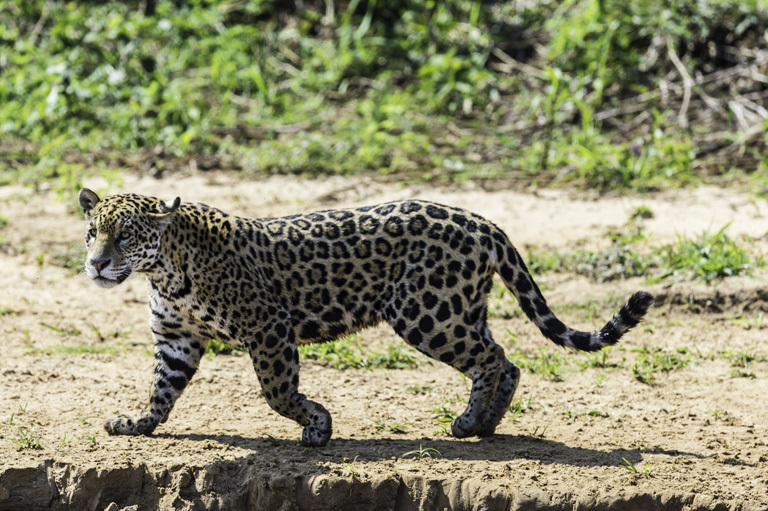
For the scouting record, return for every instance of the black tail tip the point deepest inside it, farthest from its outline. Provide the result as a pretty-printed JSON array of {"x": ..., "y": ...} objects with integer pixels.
[
  {"x": 639, "y": 303},
  {"x": 630, "y": 314}
]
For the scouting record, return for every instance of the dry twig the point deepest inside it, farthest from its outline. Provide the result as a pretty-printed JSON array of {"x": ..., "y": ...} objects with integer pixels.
[{"x": 682, "y": 116}]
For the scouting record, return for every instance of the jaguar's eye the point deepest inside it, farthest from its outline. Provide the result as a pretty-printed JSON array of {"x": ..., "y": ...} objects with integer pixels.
[
  {"x": 92, "y": 232},
  {"x": 123, "y": 235}
]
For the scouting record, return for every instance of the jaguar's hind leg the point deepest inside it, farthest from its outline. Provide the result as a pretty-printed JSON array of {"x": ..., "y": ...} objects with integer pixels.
[
  {"x": 459, "y": 345},
  {"x": 510, "y": 377},
  {"x": 485, "y": 381}
]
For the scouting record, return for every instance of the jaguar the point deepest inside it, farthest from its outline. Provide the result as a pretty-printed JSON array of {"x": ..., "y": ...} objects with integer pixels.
[{"x": 269, "y": 285}]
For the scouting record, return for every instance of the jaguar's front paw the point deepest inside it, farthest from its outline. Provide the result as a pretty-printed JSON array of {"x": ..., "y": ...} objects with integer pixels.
[
  {"x": 121, "y": 425},
  {"x": 313, "y": 437},
  {"x": 486, "y": 429},
  {"x": 125, "y": 425},
  {"x": 319, "y": 430},
  {"x": 463, "y": 427}
]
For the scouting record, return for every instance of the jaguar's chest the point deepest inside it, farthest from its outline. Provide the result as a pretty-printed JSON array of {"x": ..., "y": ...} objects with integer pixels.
[{"x": 221, "y": 309}]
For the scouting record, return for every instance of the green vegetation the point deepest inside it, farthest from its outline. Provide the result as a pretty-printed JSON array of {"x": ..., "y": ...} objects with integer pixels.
[
  {"x": 217, "y": 347},
  {"x": 757, "y": 323},
  {"x": 641, "y": 212},
  {"x": 72, "y": 258},
  {"x": 78, "y": 349},
  {"x": 598, "y": 378},
  {"x": 349, "y": 468},
  {"x": 348, "y": 353},
  {"x": 422, "y": 452},
  {"x": 26, "y": 439},
  {"x": 652, "y": 360},
  {"x": 708, "y": 257},
  {"x": 116, "y": 334},
  {"x": 457, "y": 398},
  {"x": 744, "y": 358},
  {"x": 344, "y": 353},
  {"x": 67, "y": 331},
  {"x": 742, "y": 361},
  {"x": 64, "y": 442},
  {"x": 395, "y": 427},
  {"x": 501, "y": 302},
  {"x": 442, "y": 414},
  {"x": 443, "y": 429},
  {"x": 418, "y": 389},
  {"x": 543, "y": 92},
  {"x": 278, "y": 442},
  {"x": 600, "y": 360},
  {"x": 4, "y": 222},
  {"x": 643, "y": 364},
  {"x": 519, "y": 406},
  {"x": 632, "y": 469},
  {"x": 545, "y": 363},
  {"x": 742, "y": 373},
  {"x": 621, "y": 259},
  {"x": 537, "y": 433}
]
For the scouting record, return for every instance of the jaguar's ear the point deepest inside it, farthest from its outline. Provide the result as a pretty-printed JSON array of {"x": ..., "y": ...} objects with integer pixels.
[
  {"x": 166, "y": 217},
  {"x": 88, "y": 200}
]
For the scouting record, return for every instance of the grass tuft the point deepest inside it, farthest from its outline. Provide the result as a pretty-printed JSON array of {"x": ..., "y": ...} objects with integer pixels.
[
  {"x": 652, "y": 360},
  {"x": 26, "y": 439},
  {"x": 79, "y": 349},
  {"x": 708, "y": 257},
  {"x": 711, "y": 256},
  {"x": 348, "y": 353},
  {"x": 217, "y": 347},
  {"x": 546, "y": 364},
  {"x": 395, "y": 427},
  {"x": 422, "y": 452}
]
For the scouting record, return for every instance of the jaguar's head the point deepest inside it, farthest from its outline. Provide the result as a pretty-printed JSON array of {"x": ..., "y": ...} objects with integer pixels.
[{"x": 123, "y": 235}]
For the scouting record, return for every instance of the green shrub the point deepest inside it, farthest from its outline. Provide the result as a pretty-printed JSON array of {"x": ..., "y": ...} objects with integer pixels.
[
  {"x": 709, "y": 257},
  {"x": 349, "y": 87}
]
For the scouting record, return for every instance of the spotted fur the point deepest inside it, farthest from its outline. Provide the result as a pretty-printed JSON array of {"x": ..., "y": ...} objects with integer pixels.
[{"x": 270, "y": 284}]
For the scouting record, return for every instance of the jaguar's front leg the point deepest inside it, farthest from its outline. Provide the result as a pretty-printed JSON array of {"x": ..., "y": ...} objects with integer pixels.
[
  {"x": 276, "y": 360},
  {"x": 177, "y": 356}
]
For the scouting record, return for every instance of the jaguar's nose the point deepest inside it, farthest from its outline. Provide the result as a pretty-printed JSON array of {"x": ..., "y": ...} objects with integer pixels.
[{"x": 100, "y": 263}]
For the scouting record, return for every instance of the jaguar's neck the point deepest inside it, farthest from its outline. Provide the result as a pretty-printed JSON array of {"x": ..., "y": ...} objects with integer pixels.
[{"x": 184, "y": 243}]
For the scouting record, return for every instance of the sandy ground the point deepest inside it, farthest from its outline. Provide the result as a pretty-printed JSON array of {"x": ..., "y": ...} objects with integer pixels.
[{"x": 596, "y": 438}]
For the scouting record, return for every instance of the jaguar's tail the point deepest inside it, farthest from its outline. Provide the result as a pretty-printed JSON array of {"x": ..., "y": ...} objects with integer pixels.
[{"x": 518, "y": 279}]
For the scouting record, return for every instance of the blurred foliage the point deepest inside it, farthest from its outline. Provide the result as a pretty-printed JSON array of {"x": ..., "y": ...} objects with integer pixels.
[
  {"x": 402, "y": 86},
  {"x": 708, "y": 257}
]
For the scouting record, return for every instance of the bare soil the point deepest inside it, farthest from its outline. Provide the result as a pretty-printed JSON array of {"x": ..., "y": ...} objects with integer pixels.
[{"x": 696, "y": 436}]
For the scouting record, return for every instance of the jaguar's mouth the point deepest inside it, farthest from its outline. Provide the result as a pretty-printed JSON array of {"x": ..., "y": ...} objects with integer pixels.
[{"x": 105, "y": 282}]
